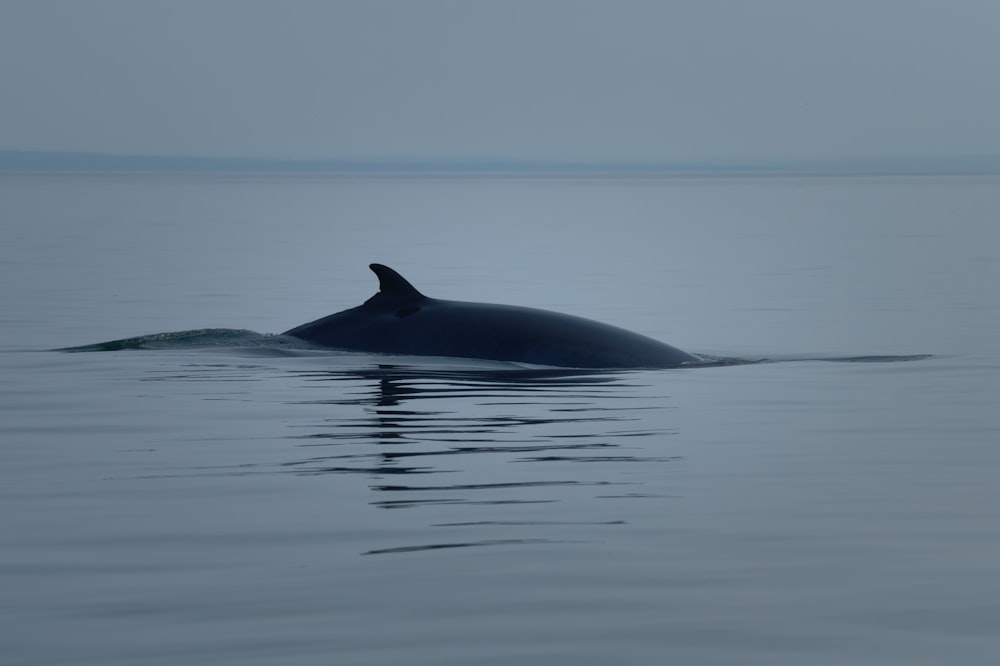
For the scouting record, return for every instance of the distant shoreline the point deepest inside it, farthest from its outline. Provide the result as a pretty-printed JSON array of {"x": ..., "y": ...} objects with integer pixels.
[{"x": 14, "y": 161}]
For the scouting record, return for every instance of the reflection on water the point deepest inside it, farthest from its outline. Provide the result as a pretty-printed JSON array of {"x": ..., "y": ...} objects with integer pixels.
[
  {"x": 463, "y": 437},
  {"x": 434, "y": 438},
  {"x": 426, "y": 422},
  {"x": 489, "y": 450},
  {"x": 440, "y": 546}
]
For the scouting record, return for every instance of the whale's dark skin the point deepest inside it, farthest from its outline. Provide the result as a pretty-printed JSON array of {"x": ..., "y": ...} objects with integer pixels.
[{"x": 401, "y": 320}]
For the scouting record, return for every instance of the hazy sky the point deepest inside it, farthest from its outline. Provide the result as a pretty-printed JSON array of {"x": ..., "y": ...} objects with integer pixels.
[{"x": 618, "y": 80}]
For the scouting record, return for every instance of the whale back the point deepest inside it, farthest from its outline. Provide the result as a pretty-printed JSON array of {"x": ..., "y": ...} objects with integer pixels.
[{"x": 399, "y": 319}]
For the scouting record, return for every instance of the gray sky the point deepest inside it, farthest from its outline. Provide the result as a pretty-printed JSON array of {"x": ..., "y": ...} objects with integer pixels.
[{"x": 561, "y": 79}]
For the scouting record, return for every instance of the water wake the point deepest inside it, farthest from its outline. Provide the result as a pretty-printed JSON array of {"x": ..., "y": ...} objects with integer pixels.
[{"x": 279, "y": 345}]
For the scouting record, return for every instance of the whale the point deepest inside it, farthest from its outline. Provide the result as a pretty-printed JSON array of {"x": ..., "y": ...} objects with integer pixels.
[{"x": 400, "y": 320}]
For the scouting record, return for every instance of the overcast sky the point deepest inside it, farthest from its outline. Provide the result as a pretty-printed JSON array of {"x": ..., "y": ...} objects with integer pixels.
[{"x": 619, "y": 80}]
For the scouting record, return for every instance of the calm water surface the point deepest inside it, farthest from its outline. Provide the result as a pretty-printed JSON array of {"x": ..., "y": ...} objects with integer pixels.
[{"x": 252, "y": 505}]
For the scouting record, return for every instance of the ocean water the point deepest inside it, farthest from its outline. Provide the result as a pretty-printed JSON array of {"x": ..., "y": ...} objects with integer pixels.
[{"x": 243, "y": 504}]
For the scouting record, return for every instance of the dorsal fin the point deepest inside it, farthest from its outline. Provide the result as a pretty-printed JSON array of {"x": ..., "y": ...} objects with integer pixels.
[{"x": 394, "y": 286}]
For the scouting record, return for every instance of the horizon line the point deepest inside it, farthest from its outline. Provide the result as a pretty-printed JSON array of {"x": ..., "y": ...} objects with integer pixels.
[{"x": 86, "y": 161}]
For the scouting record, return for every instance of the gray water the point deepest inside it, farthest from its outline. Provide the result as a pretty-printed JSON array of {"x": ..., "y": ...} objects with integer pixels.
[{"x": 230, "y": 504}]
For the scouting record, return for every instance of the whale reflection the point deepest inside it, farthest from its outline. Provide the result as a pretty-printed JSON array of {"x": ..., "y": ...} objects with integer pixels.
[
  {"x": 489, "y": 457},
  {"x": 418, "y": 422}
]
